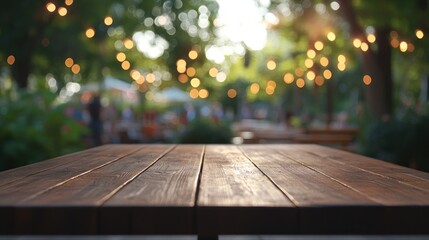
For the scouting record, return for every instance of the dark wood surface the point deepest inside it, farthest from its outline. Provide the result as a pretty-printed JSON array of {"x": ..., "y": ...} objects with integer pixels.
[{"x": 214, "y": 189}]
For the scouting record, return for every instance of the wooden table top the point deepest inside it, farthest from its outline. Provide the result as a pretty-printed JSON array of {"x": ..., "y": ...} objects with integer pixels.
[{"x": 213, "y": 189}]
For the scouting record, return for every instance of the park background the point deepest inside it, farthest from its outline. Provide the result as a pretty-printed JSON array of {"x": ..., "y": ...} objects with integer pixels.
[{"x": 192, "y": 71}]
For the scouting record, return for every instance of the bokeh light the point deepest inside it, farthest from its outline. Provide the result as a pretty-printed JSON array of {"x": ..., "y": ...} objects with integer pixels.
[
  {"x": 51, "y": 7},
  {"x": 288, "y": 78},
  {"x": 203, "y": 93},
  {"x": 311, "y": 53},
  {"x": 120, "y": 56},
  {"x": 195, "y": 82},
  {"x": 62, "y": 11},
  {"x": 69, "y": 62},
  {"x": 327, "y": 74},
  {"x": 254, "y": 88},
  {"x": 90, "y": 33},
  {"x": 232, "y": 93},
  {"x": 324, "y": 61},
  {"x": 331, "y": 36},
  {"x": 75, "y": 68},
  {"x": 10, "y": 60},
  {"x": 318, "y": 45},
  {"x": 191, "y": 71},
  {"x": 271, "y": 65},
  {"x": 300, "y": 82},
  {"x": 108, "y": 20},
  {"x": 367, "y": 79},
  {"x": 126, "y": 65},
  {"x": 193, "y": 54},
  {"x": 419, "y": 34}
]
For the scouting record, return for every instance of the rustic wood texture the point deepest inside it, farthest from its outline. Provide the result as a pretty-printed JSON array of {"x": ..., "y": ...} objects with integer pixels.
[
  {"x": 213, "y": 189},
  {"x": 234, "y": 196},
  {"x": 164, "y": 194}
]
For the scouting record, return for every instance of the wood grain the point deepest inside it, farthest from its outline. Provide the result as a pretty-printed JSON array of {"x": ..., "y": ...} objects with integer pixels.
[
  {"x": 12, "y": 175},
  {"x": 381, "y": 189},
  {"x": 98, "y": 186},
  {"x": 405, "y": 175},
  {"x": 234, "y": 196},
  {"x": 303, "y": 185},
  {"x": 403, "y": 209},
  {"x": 41, "y": 181},
  {"x": 161, "y": 199}
]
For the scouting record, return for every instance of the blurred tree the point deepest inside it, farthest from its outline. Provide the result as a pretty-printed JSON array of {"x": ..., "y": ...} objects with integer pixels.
[{"x": 92, "y": 34}]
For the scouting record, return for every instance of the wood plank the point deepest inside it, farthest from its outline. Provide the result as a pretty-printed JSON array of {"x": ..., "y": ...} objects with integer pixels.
[
  {"x": 12, "y": 175},
  {"x": 400, "y": 201},
  {"x": 54, "y": 211},
  {"x": 98, "y": 186},
  {"x": 324, "y": 205},
  {"x": 406, "y": 175},
  {"x": 160, "y": 200},
  {"x": 235, "y": 197},
  {"x": 303, "y": 185},
  {"x": 42, "y": 181},
  {"x": 384, "y": 190}
]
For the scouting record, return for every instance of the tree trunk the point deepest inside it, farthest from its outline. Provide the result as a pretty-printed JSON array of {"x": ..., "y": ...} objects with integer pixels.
[{"x": 377, "y": 64}]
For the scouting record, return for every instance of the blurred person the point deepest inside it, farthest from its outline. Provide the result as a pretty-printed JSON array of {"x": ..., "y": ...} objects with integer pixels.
[{"x": 95, "y": 123}]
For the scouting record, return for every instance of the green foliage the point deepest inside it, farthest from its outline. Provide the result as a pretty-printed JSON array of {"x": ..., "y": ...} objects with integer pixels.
[
  {"x": 33, "y": 128},
  {"x": 203, "y": 130},
  {"x": 399, "y": 140}
]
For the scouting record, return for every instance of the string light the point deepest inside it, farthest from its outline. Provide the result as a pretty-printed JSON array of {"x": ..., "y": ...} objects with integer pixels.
[
  {"x": 271, "y": 65},
  {"x": 311, "y": 75},
  {"x": 419, "y": 34},
  {"x": 203, "y": 93},
  {"x": 195, "y": 82},
  {"x": 128, "y": 43},
  {"x": 331, "y": 36},
  {"x": 367, "y": 79},
  {"x": 319, "y": 81},
  {"x": 403, "y": 46},
  {"x": 232, "y": 93},
  {"x": 193, "y": 54},
  {"x": 357, "y": 42},
  {"x": 69, "y": 62},
  {"x": 300, "y": 83},
  {"x": 10, "y": 60},
  {"x": 62, "y": 11},
  {"x": 121, "y": 57},
  {"x": 371, "y": 38},
  {"x": 254, "y": 88},
  {"x": 324, "y": 61},
  {"x": 126, "y": 65},
  {"x": 318, "y": 45},
  {"x": 327, "y": 74},
  {"x": 68, "y": 2},
  {"x": 364, "y": 46},
  {"x": 150, "y": 77},
  {"x": 288, "y": 78},
  {"x": 194, "y": 93},
  {"x": 183, "y": 78},
  {"x": 90, "y": 33},
  {"x": 308, "y": 63},
  {"x": 213, "y": 72},
  {"x": 51, "y": 7},
  {"x": 75, "y": 68},
  {"x": 311, "y": 53},
  {"x": 191, "y": 72},
  {"x": 108, "y": 20}
]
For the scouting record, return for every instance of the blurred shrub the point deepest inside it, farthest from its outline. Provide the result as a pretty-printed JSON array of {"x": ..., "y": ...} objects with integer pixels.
[
  {"x": 33, "y": 128},
  {"x": 202, "y": 130},
  {"x": 399, "y": 140}
]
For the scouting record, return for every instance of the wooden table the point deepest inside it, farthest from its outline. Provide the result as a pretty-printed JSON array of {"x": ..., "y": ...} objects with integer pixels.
[{"x": 213, "y": 189}]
